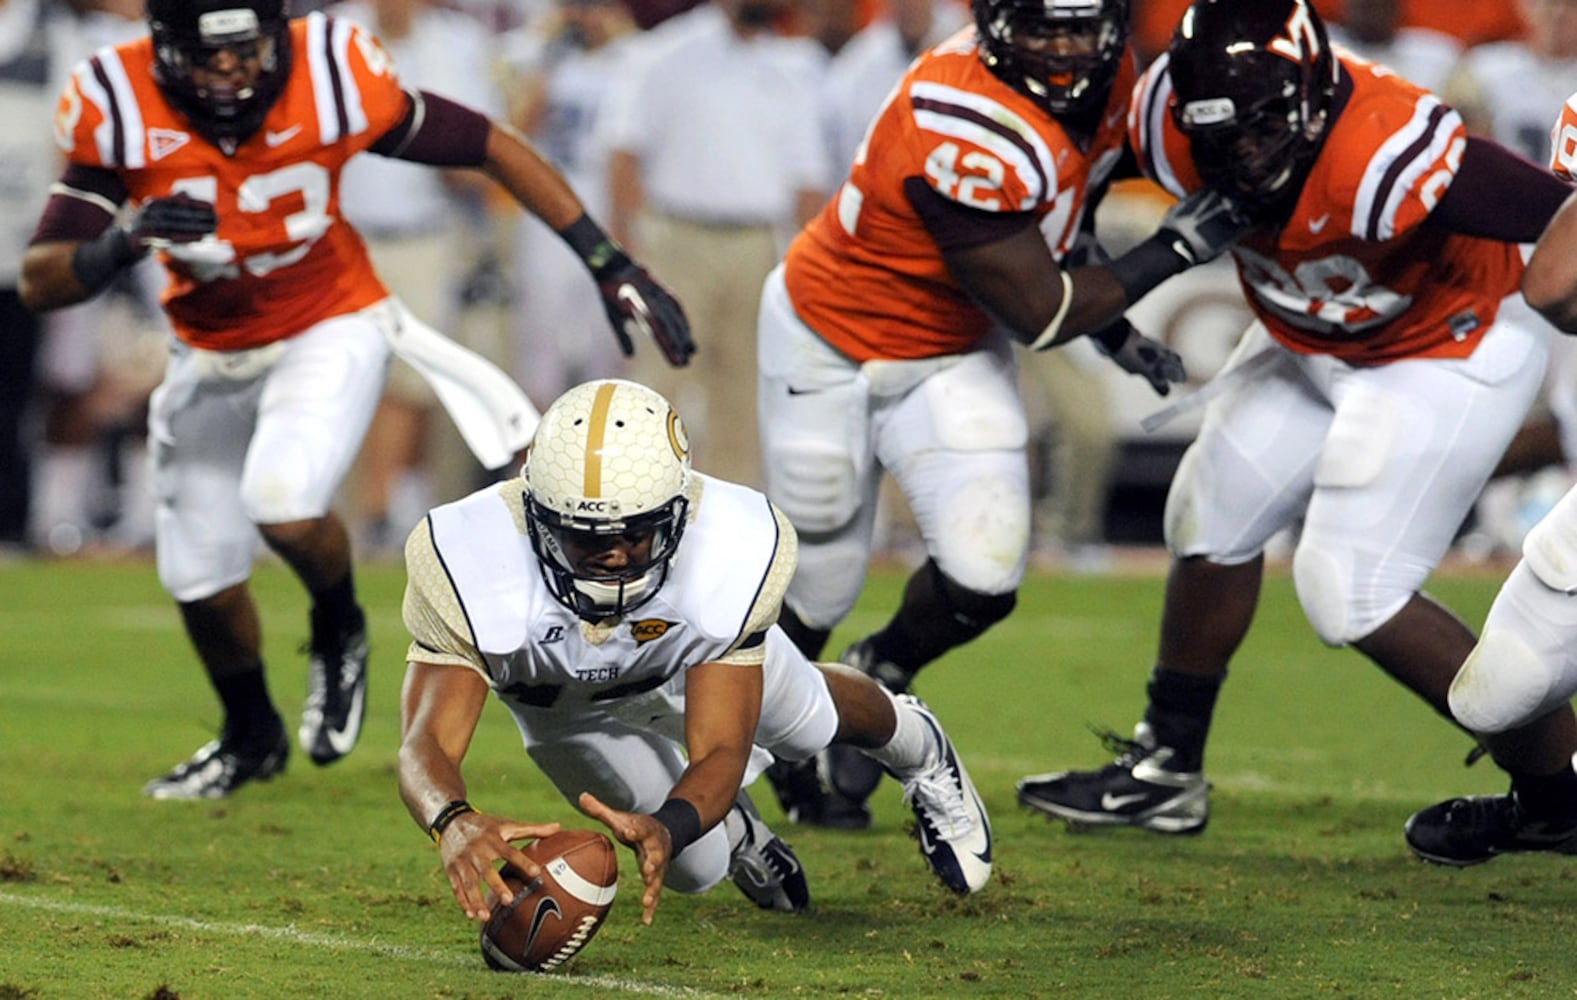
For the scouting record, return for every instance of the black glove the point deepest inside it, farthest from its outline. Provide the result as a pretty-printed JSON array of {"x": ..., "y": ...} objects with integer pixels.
[
  {"x": 1203, "y": 225},
  {"x": 1197, "y": 229},
  {"x": 1139, "y": 355},
  {"x": 180, "y": 218},
  {"x": 636, "y": 303},
  {"x": 159, "y": 222}
]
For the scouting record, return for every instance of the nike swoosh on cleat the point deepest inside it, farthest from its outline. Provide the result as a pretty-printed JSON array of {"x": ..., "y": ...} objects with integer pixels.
[
  {"x": 344, "y": 740},
  {"x": 1112, "y": 803}
]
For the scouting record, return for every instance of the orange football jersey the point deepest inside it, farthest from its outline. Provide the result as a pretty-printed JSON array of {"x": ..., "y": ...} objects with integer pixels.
[
  {"x": 1355, "y": 272},
  {"x": 866, "y": 274},
  {"x": 1563, "y": 142},
  {"x": 282, "y": 258}
]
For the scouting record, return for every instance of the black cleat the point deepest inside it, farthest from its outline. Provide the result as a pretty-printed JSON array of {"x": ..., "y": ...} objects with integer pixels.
[
  {"x": 1137, "y": 789},
  {"x": 221, "y": 766},
  {"x": 1476, "y": 828},
  {"x": 337, "y": 699},
  {"x": 765, "y": 868},
  {"x": 803, "y": 792}
]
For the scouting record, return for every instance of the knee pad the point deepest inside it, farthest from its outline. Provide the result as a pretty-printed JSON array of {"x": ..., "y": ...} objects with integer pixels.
[
  {"x": 1502, "y": 684},
  {"x": 1323, "y": 590},
  {"x": 815, "y": 484},
  {"x": 1550, "y": 549},
  {"x": 982, "y": 534}
]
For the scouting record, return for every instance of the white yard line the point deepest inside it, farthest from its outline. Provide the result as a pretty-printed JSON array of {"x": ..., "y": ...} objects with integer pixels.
[{"x": 334, "y": 942}]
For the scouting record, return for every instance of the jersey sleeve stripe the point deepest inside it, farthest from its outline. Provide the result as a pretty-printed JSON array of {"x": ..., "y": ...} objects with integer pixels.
[
  {"x": 132, "y": 136},
  {"x": 982, "y": 121},
  {"x": 1152, "y": 105},
  {"x": 353, "y": 115},
  {"x": 324, "y": 99},
  {"x": 1400, "y": 160}
]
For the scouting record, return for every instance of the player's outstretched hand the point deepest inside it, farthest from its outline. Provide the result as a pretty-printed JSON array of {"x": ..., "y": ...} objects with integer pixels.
[
  {"x": 471, "y": 848},
  {"x": 179, "y": 218},
  {"x": 1203, "y": 225},
  {"x": 649, "y": 839},
  {"x": 636, "y": 303},
  {"x": 1140, "y": 355}
]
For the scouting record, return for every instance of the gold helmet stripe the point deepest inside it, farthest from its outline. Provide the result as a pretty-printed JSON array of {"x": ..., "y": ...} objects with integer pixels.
[{"x": 595, "y": 434}]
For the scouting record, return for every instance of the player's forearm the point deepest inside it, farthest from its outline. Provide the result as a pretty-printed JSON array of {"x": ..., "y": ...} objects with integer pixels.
[
  {"x": 531, "y": 179},
  {"x": 1550, "y": 282},
  {"x": 48, "y": 280},
  {"x": 429, "y": 778},
  {"x": 711, "y": 783}
]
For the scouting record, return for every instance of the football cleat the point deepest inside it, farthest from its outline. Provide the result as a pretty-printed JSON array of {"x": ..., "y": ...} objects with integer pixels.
[
  {"x": 764, "y": 867},
  {"x": 807, "y": 800},
  {"x": 950, "y": 819},
  {"x": 851, "y": 777},
  {"x": 1476, "y": 828},
  {"x": 221, "y": 766},
  {"x": 337, "y": 699},
  {"x": 1137, "y": 789}
]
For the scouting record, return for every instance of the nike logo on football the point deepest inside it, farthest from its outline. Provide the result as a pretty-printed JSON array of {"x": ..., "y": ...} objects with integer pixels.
[
  {"x": 1315, "y": 225},
  {"x": 280, "y": 138},
  {"x": 1112, "y": 803}
]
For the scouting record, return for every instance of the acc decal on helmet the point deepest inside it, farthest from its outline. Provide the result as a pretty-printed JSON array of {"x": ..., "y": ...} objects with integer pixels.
[
  {"x": 1253, "y": 87},
  {"x": 610, "y": 458},
  {"x": 1064, "y": 54}
]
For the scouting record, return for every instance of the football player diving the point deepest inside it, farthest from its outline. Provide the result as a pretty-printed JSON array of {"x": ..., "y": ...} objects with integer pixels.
[
  {"x": 1384, "y": 389},
  {"x": 887, "y": 333},
  {"x": 622, "y": 607},
  {"x": 217, "y": 143}
]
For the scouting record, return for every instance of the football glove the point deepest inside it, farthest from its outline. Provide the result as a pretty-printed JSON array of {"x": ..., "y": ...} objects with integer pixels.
[
  {"x": 157, "y": 223},
  {"x": 636, "y": 303},
  {"x": 1140, "y": 355},
  {"x": 1202, "y": 225}
]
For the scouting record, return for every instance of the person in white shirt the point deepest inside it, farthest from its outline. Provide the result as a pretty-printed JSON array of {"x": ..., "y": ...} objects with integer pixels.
[
  {"x": 623, "y": 607},
  {"x": 1373, "y": 29},
  {"x": 717, "y": 158}
]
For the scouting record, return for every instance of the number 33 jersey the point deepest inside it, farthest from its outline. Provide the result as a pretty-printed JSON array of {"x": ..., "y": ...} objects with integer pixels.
[
  {"x": 868, "y": 276},
  {"x": 283, "y": 258},
  {"x": 1355, "y": 272}
]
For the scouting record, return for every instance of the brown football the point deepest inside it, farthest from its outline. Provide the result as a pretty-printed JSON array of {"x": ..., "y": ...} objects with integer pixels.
[{"x": 553, "y": 918}]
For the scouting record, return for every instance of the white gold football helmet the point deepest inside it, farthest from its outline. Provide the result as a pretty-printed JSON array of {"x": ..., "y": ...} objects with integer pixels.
[{"x": 610, "y": 463}]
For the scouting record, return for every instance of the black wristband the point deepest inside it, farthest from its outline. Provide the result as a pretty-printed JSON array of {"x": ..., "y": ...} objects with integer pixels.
[
  {"x": 1112, "y": 337},
  {"x": 1147, "y": 265},
  {"x": 98, "y": 260},
  {"x": 682, "y": 820},
  {"x": 448, "y": 814},
  {"x": 601, "y": 254}
]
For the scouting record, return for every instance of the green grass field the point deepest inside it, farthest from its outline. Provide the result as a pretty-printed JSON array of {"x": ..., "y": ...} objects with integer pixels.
[{"x": 318, "y": 885}]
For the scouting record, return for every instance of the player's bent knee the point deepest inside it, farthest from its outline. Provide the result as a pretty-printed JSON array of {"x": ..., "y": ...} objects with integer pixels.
[
  {"x": 985, "y": 544},
  {"x": 1550, "y": 548},
  {"x": 1503, "y": 684},
  {"x": 813, "y": 483},
  {"x": 1325, "y": 593}
]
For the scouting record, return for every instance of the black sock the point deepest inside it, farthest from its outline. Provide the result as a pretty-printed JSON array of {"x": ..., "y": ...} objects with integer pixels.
[
  {"x": 249, "y": 711},
  {"x": 335, "y": 613},
  {"x": 1179, "y": 714},
  {"x": 1551, "y": 797}
]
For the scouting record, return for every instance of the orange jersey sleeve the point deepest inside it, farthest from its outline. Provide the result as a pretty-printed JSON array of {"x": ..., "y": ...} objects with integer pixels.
[
  {"x": 1563, "y": 142},
  {"x": 283, "y": 258},
  {"x": 1354, "y": 272},
  {"x": 866, "y": 274}
]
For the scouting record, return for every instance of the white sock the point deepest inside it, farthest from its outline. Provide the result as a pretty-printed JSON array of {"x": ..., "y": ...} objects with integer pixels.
[
  {"x": 734, "y": 826},
  {"x": 913, "y": 746}
]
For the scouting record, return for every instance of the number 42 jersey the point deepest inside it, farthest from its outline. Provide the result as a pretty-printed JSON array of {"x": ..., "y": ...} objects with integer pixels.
[
  {"x": 868, "y": 276},
  {"x": 283, "y": 258}
]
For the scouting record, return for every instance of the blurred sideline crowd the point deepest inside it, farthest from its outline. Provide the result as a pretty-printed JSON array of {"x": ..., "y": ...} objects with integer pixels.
[{"x": 704, "y": 151}]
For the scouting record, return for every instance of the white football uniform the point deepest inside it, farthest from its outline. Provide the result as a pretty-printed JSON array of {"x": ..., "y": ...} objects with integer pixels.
[
  {"x": 1392, "y": 383},
  {"x": 600, "y": 707}
]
